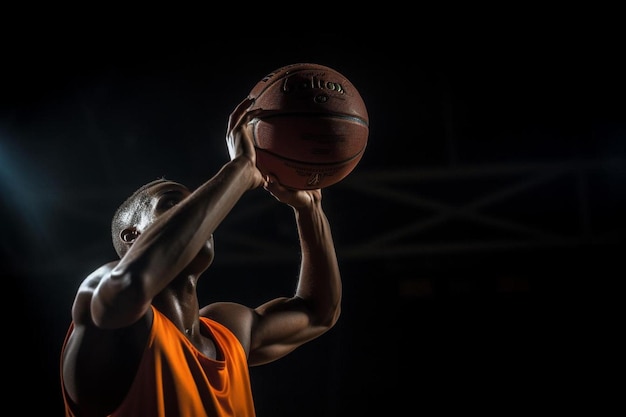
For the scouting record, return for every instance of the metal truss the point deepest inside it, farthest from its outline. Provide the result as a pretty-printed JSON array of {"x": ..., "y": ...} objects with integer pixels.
[{"x": 399, "y": 213}]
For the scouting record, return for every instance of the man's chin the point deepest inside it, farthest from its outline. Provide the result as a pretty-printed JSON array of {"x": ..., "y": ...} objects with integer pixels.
[{"x": 201, "y": 262}]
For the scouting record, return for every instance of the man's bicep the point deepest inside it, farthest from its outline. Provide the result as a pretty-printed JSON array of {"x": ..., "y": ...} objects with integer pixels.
[{"x": 281, "y": 326}]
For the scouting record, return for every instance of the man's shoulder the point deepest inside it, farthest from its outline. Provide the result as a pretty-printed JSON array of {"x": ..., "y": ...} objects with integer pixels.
[{"x": 92, "y": 280}]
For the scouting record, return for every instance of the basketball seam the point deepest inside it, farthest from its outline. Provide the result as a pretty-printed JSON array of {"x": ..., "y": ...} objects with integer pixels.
[
  {"x": 331, "y": 115},
  {"x": 308, "y": 163}
]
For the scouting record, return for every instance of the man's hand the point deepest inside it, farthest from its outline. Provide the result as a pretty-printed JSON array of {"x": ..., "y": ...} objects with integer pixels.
[
  {"x": 239, "y": 132},
  {"x": 239, "y": 138},
  {"x": 297, "y": 199}
]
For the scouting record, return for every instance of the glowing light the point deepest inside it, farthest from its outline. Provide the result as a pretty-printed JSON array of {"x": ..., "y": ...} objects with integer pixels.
[{"x": 18, "y": 189}]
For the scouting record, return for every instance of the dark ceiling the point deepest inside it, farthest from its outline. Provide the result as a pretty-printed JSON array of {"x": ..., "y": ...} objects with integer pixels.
[{"x": 491, "y": 190}]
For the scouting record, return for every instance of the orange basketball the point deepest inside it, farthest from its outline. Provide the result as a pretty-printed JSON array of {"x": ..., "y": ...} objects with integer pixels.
[{"x": 317, "y": 130}]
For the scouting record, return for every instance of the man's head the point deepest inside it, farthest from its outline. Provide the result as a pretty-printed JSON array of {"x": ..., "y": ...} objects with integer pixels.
[{"x": 141, "y": 208}]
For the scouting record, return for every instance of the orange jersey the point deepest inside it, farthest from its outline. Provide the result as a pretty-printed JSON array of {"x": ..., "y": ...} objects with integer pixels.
[{"x": 175, "y": 380}]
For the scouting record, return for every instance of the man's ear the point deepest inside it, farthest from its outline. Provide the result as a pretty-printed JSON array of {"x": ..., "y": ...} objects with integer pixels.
[{"x": 129, "y": 235}]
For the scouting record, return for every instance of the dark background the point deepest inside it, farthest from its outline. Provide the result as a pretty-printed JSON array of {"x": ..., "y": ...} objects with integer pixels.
[{"x": 480, "y": 237}]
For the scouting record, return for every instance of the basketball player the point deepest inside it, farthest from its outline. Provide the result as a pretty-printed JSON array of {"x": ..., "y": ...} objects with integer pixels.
[{"x": 139, "y": 344}]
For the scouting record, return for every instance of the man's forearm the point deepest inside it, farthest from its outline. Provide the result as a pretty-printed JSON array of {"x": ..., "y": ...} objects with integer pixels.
[{"x": 320, "y": 279}]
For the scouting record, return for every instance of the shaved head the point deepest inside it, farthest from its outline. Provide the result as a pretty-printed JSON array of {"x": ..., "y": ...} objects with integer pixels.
[{"x": 129, "y": 213}]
